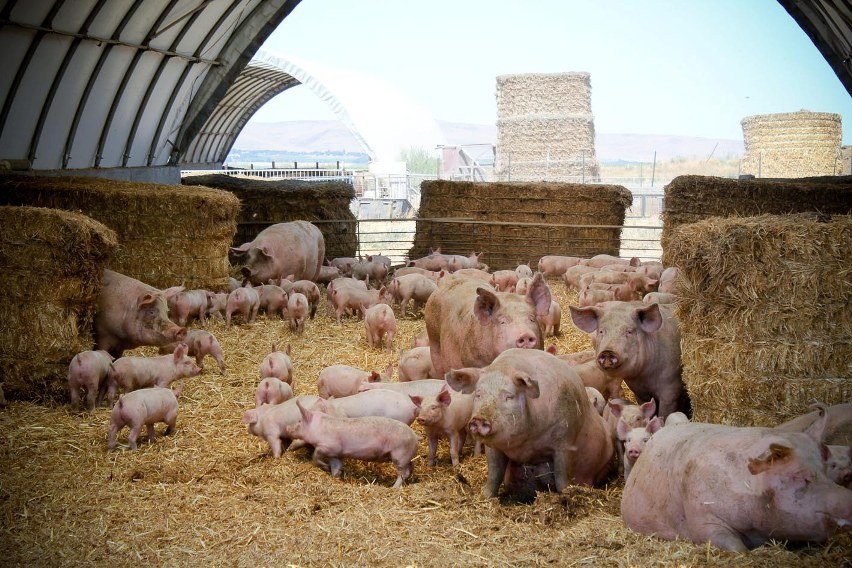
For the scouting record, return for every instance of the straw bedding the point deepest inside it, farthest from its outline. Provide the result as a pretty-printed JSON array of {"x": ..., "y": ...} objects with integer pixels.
[
  {"x": 51, "y": 263},
  {"x": 267, "y": 202},
  {"x": 764, "y": 306},
  {"x": 168, "y": 235},
  {"x": 212, "y": 495},
  {"x": 514, "y": 222}
]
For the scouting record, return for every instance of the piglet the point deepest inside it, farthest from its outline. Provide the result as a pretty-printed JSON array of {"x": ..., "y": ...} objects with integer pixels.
[
  {"x": 838, "y": 465},
  {"x": 504, "y": 280},
  {"x": 524, "y": 271},
  {"x": 297, "y": 311},
  {"x": 133, "y": 373},
  {"x": 273, "y": 300},
  {"x": 551, "y": 322},
  {"x": 268, "y": 422},
  {"x": 596, "y": 399},
  {"x": 217, "y": 304},
  {"x": 188, "y": 304},
  {"x": 636, "y": 416},
  {"x": 278, "y": 364},
  {"x": 244, "y": 301},
  {"x": 143, "y": 407},
  {"x": 378, "y": 402},
  {"x": 200, "y": 343},
  {"x": 445, "y": 416},
  {"x": 659, "y": 298},
  {"x": 676, "y": 418},
  {"x": 272, "y": 391},
  {"x": 416, "y": 364},
  {"x": 351, "y": 298},
  {"x": 343, "y": 380},
  {"x": 523, "y": 285},
  {"x": 88, "y": 371},
  {"x": 311, "y": 292},
  {"x": 372, "y": 438},
  {"x": 634, "y": 440},
  {"x": 380, "y": 324}
]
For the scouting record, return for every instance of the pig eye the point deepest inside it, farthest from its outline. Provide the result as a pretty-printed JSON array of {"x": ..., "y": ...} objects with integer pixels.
[{"x": 508, "y": 396}]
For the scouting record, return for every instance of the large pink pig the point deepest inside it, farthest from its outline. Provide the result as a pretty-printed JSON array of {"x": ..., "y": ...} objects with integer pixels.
[
  {"x": 131, "y": 313},
  {"x": 469, "y": 323},
  {"x": 296, "y": 248},
  {"x": 269, "y": 421},
  {"x": 640, "y": 344},
  {"x": 529, "y": 407},
  {"x": 734, "y": 487},
  {"x": 88, "y": 371},
  {"x": 143, "y": 407}
]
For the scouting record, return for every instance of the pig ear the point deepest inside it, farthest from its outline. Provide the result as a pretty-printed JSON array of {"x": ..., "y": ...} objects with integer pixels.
[
  {"x": 307, "y": 415},
  {"x": 374, "y": 377},
  {"x": 635, "y": 261},
  {"x": 444, "y": 397},
  {"x": 145, "y": 300},
  {"x": 289, "y": 350},
  {"x": 169, "y": 292},
  {"x": 529, "y": 386},
  {"x": 616, "y": 406},
  {"x": 417, "y": 400},
  {"x": 648, "y": 408},
  {"x": 264, "y": 250},
  {"x": 652, "y": 283},
  {"x": 486, "y": 304},
  {"x": 389, "y": 370},
  {"x": 650, "y": 319},
  {"x": 250, "y": 417},
  {"x": 775, "y": 454},
  {"x": 463, "y": 380},
  {"x": 551, "y": 349},
  {"x": 274, "y": 347},
  {"x": 242, "y": 249},
  {"x": 585, "y": 318},
  {"x": 539, "y": 295},
  {"x": 180, "y": 351},
  {"x": 369, "y": 258},
  {"x": 291, "y": 277},
  {"x": 320, "y": 406},
  {"x": 817, "y": 429},
  {"x": 622, "y": 429},
  {"x": 654, "y": 425}
]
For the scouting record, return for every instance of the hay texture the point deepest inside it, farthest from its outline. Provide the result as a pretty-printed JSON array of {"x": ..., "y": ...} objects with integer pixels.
[
  {"x": 168, "y": 235},
  {"x": 516, "y": 223},
  {"x": 545, "y": 127},
  {"x": 692, "y": 198},
  {"x": 764, "y": 307},
  {"x": 791, "y": 144},
  {"x": 51, "y": 263},
  {"x": 264, "y": 203}
]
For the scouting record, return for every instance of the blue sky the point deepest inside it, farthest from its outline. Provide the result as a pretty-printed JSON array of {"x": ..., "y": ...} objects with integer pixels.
[{"x": 689, "y": 67}]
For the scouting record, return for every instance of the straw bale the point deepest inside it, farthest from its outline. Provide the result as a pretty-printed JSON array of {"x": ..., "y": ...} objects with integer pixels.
[
  {"x": 211, "y": 494},
  {"x": 764, "y": 308},
  {"x": 522, "y": 220},
  {"x": 168, "y": 235},
  {"x": 692, "y": 198},
  {"x": 51, "y": 263},
  {"x": 264, "y": 203}
]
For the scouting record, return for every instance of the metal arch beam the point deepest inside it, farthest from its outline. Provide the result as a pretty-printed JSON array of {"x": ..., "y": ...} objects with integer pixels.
[
  {"x": 152, "y": 151},
  {"x": 84, "y": 98},
  {"x": 57, "y": 79},
  {"x": 215, "y": 84}
]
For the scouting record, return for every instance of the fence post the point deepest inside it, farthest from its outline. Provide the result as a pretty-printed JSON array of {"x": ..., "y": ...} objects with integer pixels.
[{"x": 654, "y": 169}]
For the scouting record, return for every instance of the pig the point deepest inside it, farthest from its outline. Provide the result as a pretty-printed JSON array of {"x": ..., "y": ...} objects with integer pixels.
[
  {"x": 200, "y": 343},
  {"x": 838, "y": 466},
  {"x": 636, "y": 282},
  {"x": 143, "y": 407},
  {"x": 377, "y": 402},
  {"x": 269, "y": 421},
  {"x": 416, "y": 365},
  {"x": 458, "y": 262},
  {"x": 576, "y": 358},
  {"x": 434, "y": 262},
  {"x": 371, "y": 438},
  {"x": 380, "y": 258},
  {"x": 188, "y": 304},
  {"x": 531, "y": 408},
  {"x": 340, "y": 283},
  {"x": 634, "y": 440},
  {"x": 625, "y": 292},
  {"x": 592, "y": 376},
  {"x": 601, "y": 260},
  {"x": 278, "y": 364},
  {"x": 523, "y": 286},
  {"x": 311, "y": 292},
  {"x": 376, "y": 271},
  {"x": 233, "y": 284},
  {"x": 343, "y": 264},
  {"x": 469, "y": 323},
  {"x": 244, "y": 301},
  {"x": 411, "y": 287},
  {"x": 554, "y": 265},
  {"x": 430, "y": 274},
  {"x": 131, "y": 313},
  {"x": 297, "y": 311},
  {"x": 342, "y": 380},
  {"x": 619, "y": 268},
  {"x": 589, "y": 297},
  {"x": 838, "y": 427},
  {"x": 88, "y": 371},
  {"x": 420, "y": 340},
  {"x": 550, "y": 323},
  {"x": 216, "y": 304},
  {"x": 327, "y": 274},
  {"x": 735, "y": 488},
  {"x": 134, "y": 373},
  {"x": 659, "y": 298},
  {"x": 676, "y": 418},
  {"x": 272, "y": 391},
  {"x": 572, "y": 276},
  {"x": 504, "y": 280},
  {"x": 596, "y": 399},
  {"x": 653, "y": 270},
  {"x": 296, "y": 248},
  {"x": 667, "y": 280},
  {"x": 426, "y": 387},
  {"x": 636, "y": 416},
  {"x": 272, "y": 299},
  {"x": 351, "y": 298},
  {"x": 474, "y": 273},
  {"x": 445, "y": 416},
  {"x": 524, "y": 271},
  {"x": 380, "y": 324},
  {"x": 640, "y": 344}
]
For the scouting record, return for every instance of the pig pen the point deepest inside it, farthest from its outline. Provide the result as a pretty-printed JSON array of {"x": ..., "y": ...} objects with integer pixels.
[
  {"x": 168, "y": 235},
  {"x": 264, "y": 202},
  {"x": 764, "y": 307},
  {"x": 51, "y": 263},
  {"x": 212, "y": 495},
  {"x": 517, "y": 223}
]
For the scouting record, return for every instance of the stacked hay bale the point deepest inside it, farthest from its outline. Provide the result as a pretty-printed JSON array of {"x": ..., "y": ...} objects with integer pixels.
[
  {"x": 692, "y": 198},
  {"x": 792, "y": 144},
  {"x": 51, "y": 264},
  {"x": 168, "y": 235},
  {"x": 545, "y": 127},
  {"x": 516, "y": 223},
  {"x": 764, "y": 308},
  {"x": 264, "y": 203}
]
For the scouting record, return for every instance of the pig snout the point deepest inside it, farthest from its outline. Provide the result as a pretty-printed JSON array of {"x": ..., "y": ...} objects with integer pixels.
[
  {"x": 479, "y": 426},
  {"x": 633, "y": 453},
  {"x": 526, "y": 341},
  {"x": 608, "y": 360},
  {"x": 421, "y": 420}
]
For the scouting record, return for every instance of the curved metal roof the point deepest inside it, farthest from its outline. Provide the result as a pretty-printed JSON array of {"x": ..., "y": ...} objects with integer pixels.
[{"x": 109, "y": 83}]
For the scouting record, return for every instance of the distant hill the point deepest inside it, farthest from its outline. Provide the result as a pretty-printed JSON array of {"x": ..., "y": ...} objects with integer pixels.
[{"x": 331, "y": 137}]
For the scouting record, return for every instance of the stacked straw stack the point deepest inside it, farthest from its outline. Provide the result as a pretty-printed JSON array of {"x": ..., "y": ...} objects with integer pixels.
[
  {"x": 168, "y": 235},
  {"x": 693, "y": 198},
  {"x": 51, "y": 264},
  {"x": 764, "y": 308},
  {"x": 264, "y": 203},
  {"x": 516, "y": 223}
]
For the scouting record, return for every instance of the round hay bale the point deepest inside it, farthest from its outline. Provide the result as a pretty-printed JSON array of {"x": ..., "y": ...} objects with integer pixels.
[
  {"x": 265, "y": 203},
  {"x": 515, "y": 223},
  {"x": 764, "y": 308},
  {"x": 51, "y": 263},
  {"x": 168, "y": 235}
]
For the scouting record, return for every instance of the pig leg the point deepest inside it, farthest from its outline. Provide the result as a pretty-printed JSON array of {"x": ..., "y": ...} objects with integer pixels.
[
  {"x": 111, "y": 390},
  {"x": 432, "y": 460},
  {"x": 313, "y": 309},
  {"x": 152, "y": 434},
  {"x": 253, "y": 311},
  {"x": 563, "y": 468},
  {"x": 335, "y": 466},
  {"x": 134, "y": 434},
  {"x": 91, "y": 397},
  {"x": 715, "y": 530},
  {"x": 403, "y": 305},
  {"x": 199, "y": 360},
  {"x": 170, "y": 420},
  {"x": 202, "y": 315},
  {"x": 389, "y": 340},
  {"x": 75, "y": 397},
  {"x": 497, "y": 463},
  {"x": 318, "y": 459},
  {"x": 403, "y": 472},
  {"x": 112, "y": 436},
  {"x": 228, "y": 313},
  {"x": 456, "y": 442},
  {"x": 276, "y": 446}
]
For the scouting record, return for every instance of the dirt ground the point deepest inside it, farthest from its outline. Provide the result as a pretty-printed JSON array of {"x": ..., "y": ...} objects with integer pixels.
[{"x": 212, "y": 495}]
